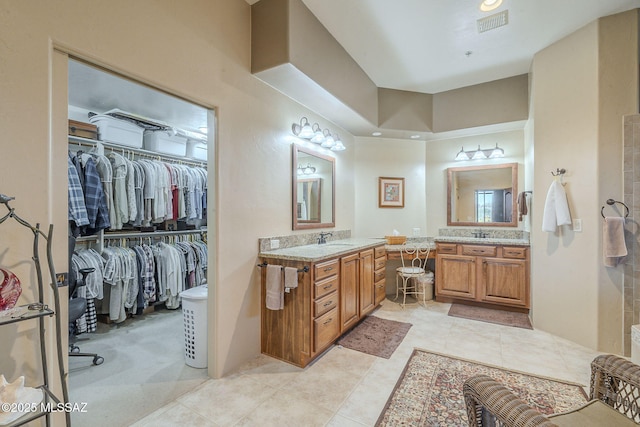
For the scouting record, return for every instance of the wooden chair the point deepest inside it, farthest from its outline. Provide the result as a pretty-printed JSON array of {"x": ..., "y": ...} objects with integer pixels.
[
  {"x": 414, "y": 264},
  {"x": 614, "y": 400}
]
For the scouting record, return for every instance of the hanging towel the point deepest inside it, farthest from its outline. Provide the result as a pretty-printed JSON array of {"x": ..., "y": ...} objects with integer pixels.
[
  {"x": 613, "y": 244},
  {"x": 522, "y": 205},
  {"x": 275, "y": 290},
  {"x": 290, "y": 277},
  {"x": 556, "y": 208}
]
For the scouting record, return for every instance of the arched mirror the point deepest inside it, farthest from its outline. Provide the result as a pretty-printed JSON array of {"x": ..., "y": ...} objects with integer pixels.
[
  {"x": 483, "y": 195},
  {"x": 313, "y": 189}
]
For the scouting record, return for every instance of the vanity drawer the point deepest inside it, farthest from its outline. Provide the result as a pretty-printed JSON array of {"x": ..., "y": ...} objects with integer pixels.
[
  {"x": 379, "y": 251},
  {"x": 326, "y": 269},
  {"x": 514, "y": 252},
  {"x": 380, "y": 263},
  {"x": 379, "y": 275},
  {"x": 477, "y": 250},
  {"x": 324, "y": 304},
  {"x": 326, "y": 328},
  {"x": 446, "y": 248},
  {"x": 326, "y": 286}
]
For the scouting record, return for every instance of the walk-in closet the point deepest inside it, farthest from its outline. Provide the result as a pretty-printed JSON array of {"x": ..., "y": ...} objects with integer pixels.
[{"x": 140, "y": 200}]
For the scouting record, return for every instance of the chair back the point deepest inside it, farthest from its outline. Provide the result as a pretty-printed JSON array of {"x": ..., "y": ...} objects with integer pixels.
[{"x": 414, "y": 255}]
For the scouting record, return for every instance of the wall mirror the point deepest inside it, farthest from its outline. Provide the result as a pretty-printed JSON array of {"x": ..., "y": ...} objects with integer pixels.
[
  {"x": 482, "y": 195},
  {"x": 313, "y": 189}
]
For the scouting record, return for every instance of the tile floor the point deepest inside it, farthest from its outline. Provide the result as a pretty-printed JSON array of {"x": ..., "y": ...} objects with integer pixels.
[{"x": 347, "y": 388}]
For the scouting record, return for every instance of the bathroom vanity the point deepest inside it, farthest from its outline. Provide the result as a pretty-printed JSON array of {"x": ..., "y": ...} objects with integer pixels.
[
  {"x": 338, "y": 284},
  {"x": 483, "y": 271}
]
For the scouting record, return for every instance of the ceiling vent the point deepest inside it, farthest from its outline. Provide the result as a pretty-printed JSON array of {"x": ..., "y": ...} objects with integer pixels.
[{"x": 494, "y": 21}]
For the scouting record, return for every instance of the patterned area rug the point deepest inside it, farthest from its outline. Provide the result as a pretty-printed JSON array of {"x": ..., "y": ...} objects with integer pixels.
[
  {"x": 501, "y": 317},
  {"x": 376, "y": 336},
  {"x": 429, "y": 391}
]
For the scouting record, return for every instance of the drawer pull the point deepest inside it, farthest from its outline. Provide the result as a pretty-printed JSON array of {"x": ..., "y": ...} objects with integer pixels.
[
  {"x": 328, "y": 303},
  {"x": 328, "y": 269},
  {"x": 512, "y": 253},
  {"x": 328, "y": 321},
  {"x": 329, "y": 286}
]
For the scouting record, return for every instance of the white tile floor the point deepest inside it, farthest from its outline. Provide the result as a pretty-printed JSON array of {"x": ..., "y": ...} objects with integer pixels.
[{"x": 348, "y": 388}]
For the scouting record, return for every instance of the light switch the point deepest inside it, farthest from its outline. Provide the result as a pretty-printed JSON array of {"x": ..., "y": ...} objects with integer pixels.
[{"x": 577, "y": 225}]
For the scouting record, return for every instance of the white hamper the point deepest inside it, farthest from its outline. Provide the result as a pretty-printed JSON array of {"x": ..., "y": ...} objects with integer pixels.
[{"x": 194, "y": 313}]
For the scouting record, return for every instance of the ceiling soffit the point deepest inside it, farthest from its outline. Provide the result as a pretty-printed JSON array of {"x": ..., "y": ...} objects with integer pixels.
[{"x": 293, "y": 52}]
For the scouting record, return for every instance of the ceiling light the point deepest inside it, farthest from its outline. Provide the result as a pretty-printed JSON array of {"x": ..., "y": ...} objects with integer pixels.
[
  {"x": 302, "y": 130},
  {"x": 376, "y": 133},
  {"x": 489, "y": 5}
]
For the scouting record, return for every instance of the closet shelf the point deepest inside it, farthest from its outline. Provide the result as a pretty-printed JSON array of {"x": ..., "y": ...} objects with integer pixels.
[
  {"x": 135, "y": 234},
  {"x": 151, "y": 154}
]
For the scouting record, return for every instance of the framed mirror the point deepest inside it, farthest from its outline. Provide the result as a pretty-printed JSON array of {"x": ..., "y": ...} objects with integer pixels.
[
  {"x": 482, "y": 195},
  {"x": 313, "y": 195}
]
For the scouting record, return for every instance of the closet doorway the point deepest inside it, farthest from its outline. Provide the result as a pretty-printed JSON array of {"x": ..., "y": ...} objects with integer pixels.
[{"x": 134, "y": 318}]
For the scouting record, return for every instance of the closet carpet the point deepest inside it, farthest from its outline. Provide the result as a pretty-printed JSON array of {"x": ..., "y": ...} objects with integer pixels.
[{"x": 143, "y": 370}]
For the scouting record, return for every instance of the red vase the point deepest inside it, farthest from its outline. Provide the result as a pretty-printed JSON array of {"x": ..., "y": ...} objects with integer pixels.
[{"x": 10, "y": 289}]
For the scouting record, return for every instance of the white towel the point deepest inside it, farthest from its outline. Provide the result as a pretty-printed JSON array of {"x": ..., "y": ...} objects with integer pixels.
[
  {"x": 556, "y": 208},
  {"x": 290, "y": 277},
  {"x": 275, "y": 290},
  {"x": 613, "y": 244}
]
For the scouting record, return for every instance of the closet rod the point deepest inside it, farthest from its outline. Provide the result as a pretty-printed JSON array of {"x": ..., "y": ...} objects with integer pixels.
[
  {"x": 152, "y": 154},
  {"x": 108, "y": 236}
]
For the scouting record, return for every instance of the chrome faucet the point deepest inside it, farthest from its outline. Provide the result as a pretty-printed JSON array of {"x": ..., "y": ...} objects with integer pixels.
[
  {"x": 323, "y": 237},
  {"x": 480, "y": 234}
]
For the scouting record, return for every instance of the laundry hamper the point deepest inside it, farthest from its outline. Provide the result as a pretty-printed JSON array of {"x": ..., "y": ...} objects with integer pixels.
[
  {"x": 194, "y": 313},
  {"x": 425, "y": 284}
]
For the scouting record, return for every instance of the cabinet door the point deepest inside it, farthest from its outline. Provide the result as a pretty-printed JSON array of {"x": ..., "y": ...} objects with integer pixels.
[
  {"x": 504, "y": 281},
  {"x": 349, "y": 284},
  {"x": 456, "y": 276},
  {"x": 367, "y": 286}
]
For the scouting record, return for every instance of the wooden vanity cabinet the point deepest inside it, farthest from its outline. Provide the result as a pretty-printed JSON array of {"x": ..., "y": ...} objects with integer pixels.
[
  {"x": 491, "y": 274},
  {"x": 330, "y": 299}
]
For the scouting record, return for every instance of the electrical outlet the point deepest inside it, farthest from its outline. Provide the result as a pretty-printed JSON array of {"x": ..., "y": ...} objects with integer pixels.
[
  {"x": 275, "y": 243},
  {"x": 577, "y": 225}
]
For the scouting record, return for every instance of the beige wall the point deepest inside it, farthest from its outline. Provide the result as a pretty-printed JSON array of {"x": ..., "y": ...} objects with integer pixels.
[
  {"x": 199, "y": 50},
  {"x": 389, "y": 158},
  {"x": 582, "y": 85}
]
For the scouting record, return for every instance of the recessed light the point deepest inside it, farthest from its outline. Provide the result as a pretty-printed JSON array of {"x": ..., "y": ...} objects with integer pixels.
[
  {"x": 414, "y": 136},
  {"x": 376, "y": 133},
  {"x": 489, "y": 5}
]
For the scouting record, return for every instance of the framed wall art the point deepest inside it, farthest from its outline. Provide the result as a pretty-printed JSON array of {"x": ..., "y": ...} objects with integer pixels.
[{"x": 390, "y": 192}]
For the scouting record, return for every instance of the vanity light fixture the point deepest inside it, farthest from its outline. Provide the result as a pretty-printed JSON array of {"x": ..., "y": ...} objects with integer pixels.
[
  {"x": 316, "y": 135},
  {"x": 307, "y": 170},
  {"x": 302, "y": 130},
  {"x": 328, "y": 139},
  {"x": 480, "y": 153}
]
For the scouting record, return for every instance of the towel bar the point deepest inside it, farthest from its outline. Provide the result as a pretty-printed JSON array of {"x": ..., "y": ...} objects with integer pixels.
[
  {"x": 305, "y": 269},
  {"x": 612, "y": 202}
]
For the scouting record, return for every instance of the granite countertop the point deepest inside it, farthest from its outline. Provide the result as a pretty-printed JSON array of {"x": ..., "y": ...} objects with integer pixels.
[
  {"x": 486, "y": 240},
  {"x": 317, "y": 252}
]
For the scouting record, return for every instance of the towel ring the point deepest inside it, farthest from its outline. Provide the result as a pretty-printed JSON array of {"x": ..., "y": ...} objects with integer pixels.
[{"x": 611, "y": 202}]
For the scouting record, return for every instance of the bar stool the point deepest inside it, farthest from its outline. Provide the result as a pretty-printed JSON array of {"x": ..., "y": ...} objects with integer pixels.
[{"x": 414, "y": 264}]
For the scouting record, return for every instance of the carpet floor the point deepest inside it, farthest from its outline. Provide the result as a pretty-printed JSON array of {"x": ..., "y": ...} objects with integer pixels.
[
  {"x": 429, "y": 391},
  {"x": 376, "y": 336},
  {"x": 483, "y": 314}
]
